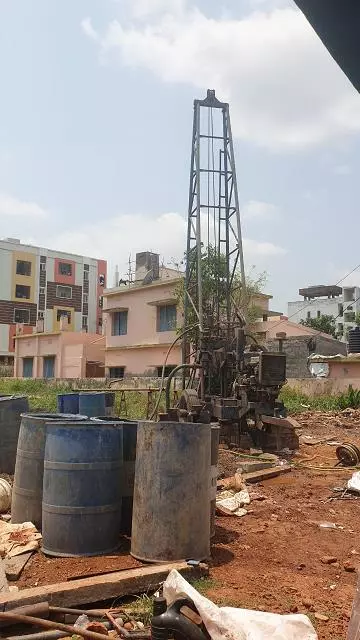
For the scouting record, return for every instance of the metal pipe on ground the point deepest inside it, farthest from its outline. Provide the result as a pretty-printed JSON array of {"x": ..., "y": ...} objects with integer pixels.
[
  {"x": 49, "y": 624},
  {"x": 39, "y": 610}
]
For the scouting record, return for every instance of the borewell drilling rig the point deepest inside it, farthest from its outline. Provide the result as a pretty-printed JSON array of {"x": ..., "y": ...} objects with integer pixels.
[{"x": 227, "y": 376}]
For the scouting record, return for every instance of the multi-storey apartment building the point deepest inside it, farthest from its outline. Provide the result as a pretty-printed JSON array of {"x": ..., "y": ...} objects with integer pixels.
[
  {"x": 40, "y": 287},
  {"x": 342, "y": 303}
]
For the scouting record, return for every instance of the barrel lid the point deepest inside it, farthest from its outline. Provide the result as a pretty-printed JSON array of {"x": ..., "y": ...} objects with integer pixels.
[
  {"x": 87, "y": 392},
  {"x": 114, "y": 419},
  {"x": 72, "y": 424},
  {"x": 4, "y": 397},
  {"x": 54, "y": 416}
]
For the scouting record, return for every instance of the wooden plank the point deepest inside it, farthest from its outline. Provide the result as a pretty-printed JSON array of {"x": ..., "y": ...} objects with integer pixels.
[
  {"x": 264, "y": 474},
  {"x": 99, "y": 588},
  {"x": 4, "y": 587},
  {"x": 15, "y": 565}
]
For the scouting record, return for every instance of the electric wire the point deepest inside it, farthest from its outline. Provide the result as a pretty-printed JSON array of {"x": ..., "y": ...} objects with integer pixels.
[{"x": 309, "y": 304}]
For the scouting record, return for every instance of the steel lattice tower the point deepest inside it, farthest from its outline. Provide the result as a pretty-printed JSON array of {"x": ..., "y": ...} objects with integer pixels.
[{"x": 213, "y": 212}]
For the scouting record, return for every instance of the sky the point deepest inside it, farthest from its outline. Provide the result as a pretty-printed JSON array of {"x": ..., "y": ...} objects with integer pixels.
[{"x": 96, "y": 120}]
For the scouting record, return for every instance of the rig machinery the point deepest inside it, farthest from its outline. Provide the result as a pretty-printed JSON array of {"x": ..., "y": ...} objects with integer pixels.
[{"x": 227, "y": 376}]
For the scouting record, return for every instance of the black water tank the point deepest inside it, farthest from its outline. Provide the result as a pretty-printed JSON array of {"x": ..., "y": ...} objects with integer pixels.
[{"x": 354, "y": 340}]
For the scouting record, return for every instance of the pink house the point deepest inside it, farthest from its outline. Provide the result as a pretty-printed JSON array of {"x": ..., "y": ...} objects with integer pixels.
[
  {"x": 140, "y": 321},
  {"x": 59, "y": 354}
]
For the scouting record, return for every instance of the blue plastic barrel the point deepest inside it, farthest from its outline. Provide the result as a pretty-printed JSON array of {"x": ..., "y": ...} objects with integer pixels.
[
  {"x": 129, "y": 428},
  {"x": 81, "y": 495},
  {"x": 68, "y": 403},
  {"x": 11, "y": 408},
  {"x": 92, "y": 404},
  {"x": 171, "y": 511},
  {"x": 29, "y": 467},
  {"x": 109, "y": 403}
]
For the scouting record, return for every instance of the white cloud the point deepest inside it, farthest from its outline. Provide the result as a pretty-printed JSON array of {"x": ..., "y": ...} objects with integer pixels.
[
  {"x": 254, "y": 250},
  {"x": 144, "y": 8},
  {"x": 115, "y": 239},
  {"x": 342, "y": 170},
  {"x": 88, "y": 29},
  {"x": 256, "y": 209},
  {"x": 13, "y": 207},
  {"x": 284, "y": 89}
]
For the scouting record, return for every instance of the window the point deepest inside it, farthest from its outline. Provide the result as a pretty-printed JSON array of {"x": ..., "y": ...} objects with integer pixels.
[
  {"x": 86, "y": 267},
  {"x": 63, "y": 292},
  {"x": 86, "y": 276},
  {"x": 22, "y": 291},
  {"x": 117, "y": 372},
  {"x": 85, "y": 298},
  {"x": 318, "y": 314},
  {"x": 101, "y": 302},
  {"x": 40, "y": 315},
  {"x": 102, "y": 280},
  {"x": 42, "y": 266},
  {"x": 168, "y": 370},
  {"x": 22, "y": 316},
  {"x": 65, "y": 269},
  {"x": 49, "y": 367},
  {"x": 84, "y": 322},
  {"x": 23, "y": 268},
  {"x": 42, "y": 291},
  {"x": 28, "y": 367},
  {"x": 340, "y": 310},
  {"x": 166, "y": 317},
  {"x": 119, "y": 323},
  {"x": 308, "y": 315},
  {"x": 61, "y": 313}
]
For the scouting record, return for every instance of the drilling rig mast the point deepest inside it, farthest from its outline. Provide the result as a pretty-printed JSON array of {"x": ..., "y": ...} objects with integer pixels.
[{"x": 230, "y": 381}]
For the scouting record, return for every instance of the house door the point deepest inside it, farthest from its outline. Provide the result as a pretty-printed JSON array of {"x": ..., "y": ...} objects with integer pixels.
[
  {"x": 28, "y": 367},
  {"x": 49, "y": 367}
]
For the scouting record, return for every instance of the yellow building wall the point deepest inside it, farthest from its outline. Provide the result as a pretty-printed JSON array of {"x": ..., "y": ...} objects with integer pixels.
[
  {"x": 56, "y": 322},
  {"x": 28, "y": 281}
]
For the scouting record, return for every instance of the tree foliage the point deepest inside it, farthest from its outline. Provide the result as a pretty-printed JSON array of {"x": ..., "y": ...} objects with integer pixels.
[
  {"x": 243, "y": 303},
  {"x": 325, "y": 324}
]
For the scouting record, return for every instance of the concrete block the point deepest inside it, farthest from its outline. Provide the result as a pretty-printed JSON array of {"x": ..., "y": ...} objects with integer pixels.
[{"x": 254, "y": 465}]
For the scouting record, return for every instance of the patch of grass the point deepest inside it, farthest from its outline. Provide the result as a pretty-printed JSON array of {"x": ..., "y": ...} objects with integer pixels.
[
  {"x": 203, "y": 585},
  {"x": 42, "y": 395},
  {"x": 140, "y": 609},
  {"x": 296, "y": 401}
]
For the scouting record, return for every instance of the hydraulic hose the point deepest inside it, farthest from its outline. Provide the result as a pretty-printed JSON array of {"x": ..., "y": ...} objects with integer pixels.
[
  {"x": 170, "y": 377},
  {"x": 181, "y": 335}
]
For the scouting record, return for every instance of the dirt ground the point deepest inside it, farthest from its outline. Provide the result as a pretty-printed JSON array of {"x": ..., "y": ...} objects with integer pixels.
[{"x": 273, "y": 558}]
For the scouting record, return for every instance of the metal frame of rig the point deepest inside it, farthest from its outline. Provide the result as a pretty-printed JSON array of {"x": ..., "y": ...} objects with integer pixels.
[{"x": 227, "y": 376}]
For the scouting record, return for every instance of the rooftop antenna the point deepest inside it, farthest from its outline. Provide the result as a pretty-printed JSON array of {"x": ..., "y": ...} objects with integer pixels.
[{"x": 116, "y": 276}]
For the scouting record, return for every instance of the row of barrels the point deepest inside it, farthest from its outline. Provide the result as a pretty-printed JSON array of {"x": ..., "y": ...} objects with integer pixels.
[
  {"x": 85, "y": 482},
  {"x": 74, "y": 480},
  {"x": 87, "y": 403}
]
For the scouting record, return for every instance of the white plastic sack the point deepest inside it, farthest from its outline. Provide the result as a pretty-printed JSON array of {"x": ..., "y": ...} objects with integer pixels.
[
  {"x": 354, "y": 482},
  {"x": 234, "y": 502},
  {"x": 240, "y": 624},
  {"x": 319, "y": 369}
]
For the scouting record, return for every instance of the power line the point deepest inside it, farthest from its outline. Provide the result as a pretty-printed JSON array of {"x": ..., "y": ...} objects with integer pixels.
[{"x": 309, "y": 304}]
